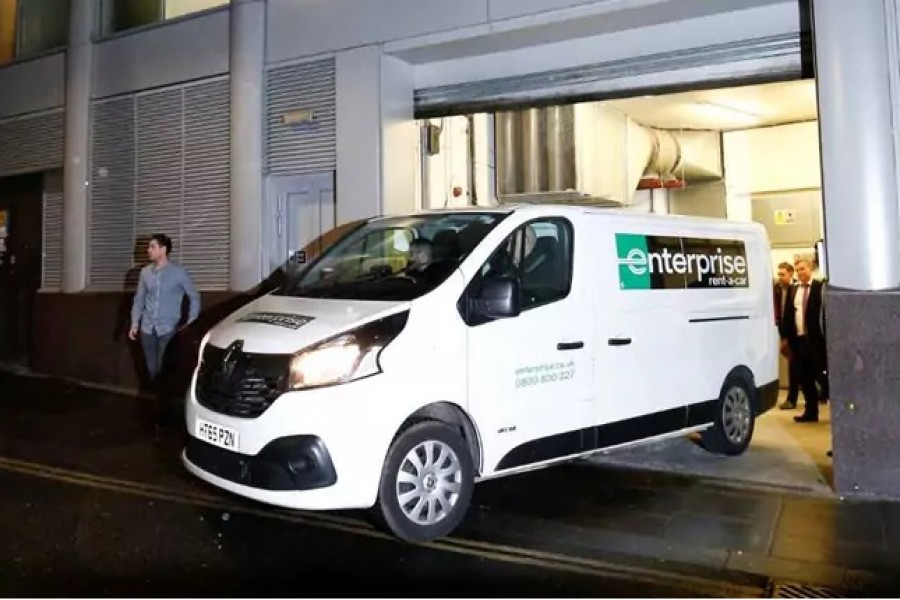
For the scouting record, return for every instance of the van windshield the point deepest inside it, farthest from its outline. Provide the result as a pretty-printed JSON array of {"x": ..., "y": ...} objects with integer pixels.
[{"x": 399, "y": 258}]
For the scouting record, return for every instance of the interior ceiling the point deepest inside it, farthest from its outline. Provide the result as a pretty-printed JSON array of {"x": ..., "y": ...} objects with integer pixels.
[{"x": 727, "y": 108}]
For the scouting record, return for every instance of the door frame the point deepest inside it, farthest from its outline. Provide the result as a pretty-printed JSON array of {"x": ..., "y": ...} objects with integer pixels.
[
  {"x": 20, "y": 195},
  {"x": 276, "y": 188}
]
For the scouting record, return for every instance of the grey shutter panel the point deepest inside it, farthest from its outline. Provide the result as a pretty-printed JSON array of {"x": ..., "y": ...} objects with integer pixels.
[
  {"x": 53, "y": 231},
  {"x": 761, "y": 59},
  {"x": 112, "y": 194},
  {"x": 301, "y": 148},
  {"x": 206, "y": 231},
  {"x": 160, "y": 164},
  {"x": 158, "y": 146},
  {"x": 33, "y": 143}
]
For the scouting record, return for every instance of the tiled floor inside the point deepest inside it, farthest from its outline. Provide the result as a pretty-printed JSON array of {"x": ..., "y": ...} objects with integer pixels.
[{"x": 782, "y": 454}]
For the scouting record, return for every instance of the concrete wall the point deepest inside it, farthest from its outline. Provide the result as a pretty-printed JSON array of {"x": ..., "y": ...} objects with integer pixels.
[
  {"x": 192, "y": 48},
  {"x": 400, "y": 139},
  {"x": 449, "y": 168},
  {"x": 377, "y": 138},
  {"x": 582, "y": 37},
  {"x": 699, "y": 199},
  {"x": 781, "y": 161},
  {"x": 358, "y": 133},
  {"x": 553, "y": 32},
  {"x": 33, "y": 85},
  {"x": 305, "y": 27},
  {"x": 773, "y": 159},
  {"x": 98, "y": 325}
]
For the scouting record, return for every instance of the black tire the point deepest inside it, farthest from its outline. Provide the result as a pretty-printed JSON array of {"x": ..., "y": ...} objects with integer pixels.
[
  {"x": 388, "y": 506},
  {"x": 722, "y": 437}
]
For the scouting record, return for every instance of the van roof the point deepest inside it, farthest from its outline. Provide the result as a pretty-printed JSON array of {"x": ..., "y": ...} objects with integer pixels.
[
  {"x": 542, "y": 209},
  {"x": 581, "y": 209}
]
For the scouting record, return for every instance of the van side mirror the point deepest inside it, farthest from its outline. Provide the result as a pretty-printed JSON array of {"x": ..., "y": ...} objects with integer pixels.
[{"x": 500, "y": 298}]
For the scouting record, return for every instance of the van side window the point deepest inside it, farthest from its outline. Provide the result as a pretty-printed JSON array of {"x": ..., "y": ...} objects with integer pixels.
[{"x": 539, "y": 254}]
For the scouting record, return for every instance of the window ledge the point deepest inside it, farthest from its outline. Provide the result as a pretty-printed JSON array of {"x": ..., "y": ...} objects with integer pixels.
[
  {"x": 19, "y": 60},
  {"x": 105, "y": 37}
]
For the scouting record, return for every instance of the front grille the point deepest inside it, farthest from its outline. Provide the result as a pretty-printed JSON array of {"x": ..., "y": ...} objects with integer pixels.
[{"x": 245, "y": 387}]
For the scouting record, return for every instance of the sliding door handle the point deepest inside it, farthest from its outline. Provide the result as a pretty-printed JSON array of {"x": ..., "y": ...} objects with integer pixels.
[
  {"x": 619, "y": 341},
  {"x": 570, "y": 345}
]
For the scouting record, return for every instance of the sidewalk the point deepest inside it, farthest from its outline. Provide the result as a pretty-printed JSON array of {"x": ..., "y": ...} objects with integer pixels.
[
  {"x": 683, "y": 522},
  {"x": 783, "y": 455},
  {"x": 680, "y": 523}
]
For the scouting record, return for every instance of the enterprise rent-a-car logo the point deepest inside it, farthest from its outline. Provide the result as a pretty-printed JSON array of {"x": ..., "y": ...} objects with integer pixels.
[{"x": 651, "y": 262}]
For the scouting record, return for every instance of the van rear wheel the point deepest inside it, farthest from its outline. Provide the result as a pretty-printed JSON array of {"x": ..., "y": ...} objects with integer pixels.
[
  {"x": 734, "y": 422},
  {"x": 426, "y": 483}
]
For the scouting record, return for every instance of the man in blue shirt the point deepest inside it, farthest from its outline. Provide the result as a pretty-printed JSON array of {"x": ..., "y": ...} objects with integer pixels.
[{"x": 156, "y": 310}]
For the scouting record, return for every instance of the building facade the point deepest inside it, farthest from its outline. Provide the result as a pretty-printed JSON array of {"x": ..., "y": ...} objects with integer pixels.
[{"x": 244, "y": 129}]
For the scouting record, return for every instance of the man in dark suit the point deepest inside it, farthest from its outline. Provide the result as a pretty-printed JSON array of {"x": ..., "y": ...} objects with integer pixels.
[
  {"x": 782, "y": 291},
  {"x": 803, "y": 335}
]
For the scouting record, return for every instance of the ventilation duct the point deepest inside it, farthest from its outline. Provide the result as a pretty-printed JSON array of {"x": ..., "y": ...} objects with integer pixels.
[
  {"x": 535, "y": 151},
  {"x": 593, "y": 153}
]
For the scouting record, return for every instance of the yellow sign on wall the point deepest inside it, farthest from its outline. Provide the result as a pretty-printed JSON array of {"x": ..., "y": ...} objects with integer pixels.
[{"x": 784, "y": 217}]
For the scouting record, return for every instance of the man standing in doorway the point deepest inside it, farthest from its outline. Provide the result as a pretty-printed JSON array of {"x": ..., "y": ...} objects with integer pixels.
[
  {"x": 783, "y": 289},
  {"x": 803, "y": 332},
  {"x": 156, "y": 311}
]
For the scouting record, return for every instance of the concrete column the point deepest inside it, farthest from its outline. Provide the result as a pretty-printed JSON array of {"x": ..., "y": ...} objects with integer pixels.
[
  {"x": 399, "y": 141},
  {"x": 377, "y": 139},
  {"x": 79, "y": 60},
  {"x": 857, "y": 76},
  {"x": 359, "y": 131},
  {"x": 247, "y": 60},
  {"x": 857, "y": 70}
]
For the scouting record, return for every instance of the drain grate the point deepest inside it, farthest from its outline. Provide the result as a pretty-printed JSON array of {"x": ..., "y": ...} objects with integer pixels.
[{"x": 788, "y": 589}]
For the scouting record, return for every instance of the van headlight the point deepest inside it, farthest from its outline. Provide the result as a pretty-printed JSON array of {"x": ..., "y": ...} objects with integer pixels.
[{"x": 347, "y": 357}]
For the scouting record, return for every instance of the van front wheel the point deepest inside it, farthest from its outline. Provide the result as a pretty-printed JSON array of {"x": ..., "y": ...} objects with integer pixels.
[
  {"x": 734, "y": 421},
  {"x": 426, "y": 483}
]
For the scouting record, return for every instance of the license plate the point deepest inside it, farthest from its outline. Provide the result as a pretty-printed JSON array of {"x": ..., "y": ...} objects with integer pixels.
[{"x": 218, "y": 435}]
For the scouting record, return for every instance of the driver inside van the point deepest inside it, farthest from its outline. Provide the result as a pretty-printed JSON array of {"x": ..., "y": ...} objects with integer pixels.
[
  {"x": 421, "y": 259},
  {"x": 420, "y": 255}
]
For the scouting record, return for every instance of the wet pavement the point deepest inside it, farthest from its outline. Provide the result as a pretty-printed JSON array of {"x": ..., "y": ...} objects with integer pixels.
[
  {"x": 66, "y": 540},
  {"x": 95, "y": 502}
]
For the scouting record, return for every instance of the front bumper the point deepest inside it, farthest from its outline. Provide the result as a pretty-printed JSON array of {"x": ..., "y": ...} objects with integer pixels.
[
  {"x": 293, "y": 463},
  {"x": 354, "y": 424}
]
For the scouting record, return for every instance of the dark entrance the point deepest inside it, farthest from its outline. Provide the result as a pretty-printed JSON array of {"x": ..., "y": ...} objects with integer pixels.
[{"x": 21, "y": 209}]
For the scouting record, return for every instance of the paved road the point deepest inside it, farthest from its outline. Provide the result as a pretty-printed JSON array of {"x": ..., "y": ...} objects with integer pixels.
[
  {"x": 96, "y": 502},
  {"x": 70, "y": 534}
]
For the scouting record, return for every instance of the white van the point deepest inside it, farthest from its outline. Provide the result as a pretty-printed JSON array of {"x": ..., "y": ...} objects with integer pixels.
[{"x": 422, "y": 353}]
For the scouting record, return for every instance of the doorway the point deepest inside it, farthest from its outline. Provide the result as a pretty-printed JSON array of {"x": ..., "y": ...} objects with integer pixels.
[
  {"x": 302, "y": 210},
  {"x": 742, "y": 153},
  {"x": 21, "y": 212}
]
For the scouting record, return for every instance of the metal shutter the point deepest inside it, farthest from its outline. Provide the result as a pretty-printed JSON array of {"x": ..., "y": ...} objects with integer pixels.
[
  {"x": 763, "y": 59},
  {"x": 112, "y": 193},
  {"x": 158, "y": 149},
  {"x": 32, "y": 143},
  {"x": 301, "y": 148},
  {"x": 206, "y": 229},
  {"x": 53, "y": 231},
  {"x": 160, "y": 164}
]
